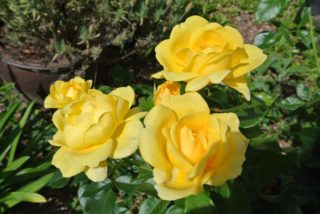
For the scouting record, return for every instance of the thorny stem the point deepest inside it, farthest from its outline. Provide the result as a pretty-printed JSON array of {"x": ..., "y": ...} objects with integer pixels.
[{"x": 313, "y": 41}]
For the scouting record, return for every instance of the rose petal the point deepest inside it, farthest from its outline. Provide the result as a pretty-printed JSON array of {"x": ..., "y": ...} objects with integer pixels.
[
  {"x": 233, "y": 36},
  {"x": 239, "y": 84},
  {"x": 126, "y": 138},
  {"x": 99, "y": 132},
  {"x": 175, "y": 156},
  {"x": 99, "y": 173},
  {"x": 255, "y": 59},
  {"x": 66, "y": 159},
  {"x": 186, "y": 103},
  {"x": 164, "y": 56},
  {"x": 58, "y": 119},
  {"x": 125, "y": 93},
  {"x": 197, "y": 83},
  {"x": 68, "y": 168},
  {"x": 175, "y": 76},
  {"x": 134, "y": 114},
  {"x": 180, "y": 34},
  {"x": 152, "y": 144},
  {"x": 231, "y": 167}
]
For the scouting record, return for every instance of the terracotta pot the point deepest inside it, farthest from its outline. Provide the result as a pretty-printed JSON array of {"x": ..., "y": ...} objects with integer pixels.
[{"x": 33, "y": 80}]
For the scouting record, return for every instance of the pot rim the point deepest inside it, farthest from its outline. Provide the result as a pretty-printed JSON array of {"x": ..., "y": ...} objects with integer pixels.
[{"x": 39, "y": 67}]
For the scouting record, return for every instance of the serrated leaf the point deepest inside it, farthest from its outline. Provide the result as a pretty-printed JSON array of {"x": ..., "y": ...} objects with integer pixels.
[
  {"x": 199, "y": 203},
  {"x": 153, "y": 206},
  {"x": 97, "y": 198}
]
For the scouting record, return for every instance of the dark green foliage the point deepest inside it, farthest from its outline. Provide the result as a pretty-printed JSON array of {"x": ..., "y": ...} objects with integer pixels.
[{"x": 21, "y": 175}]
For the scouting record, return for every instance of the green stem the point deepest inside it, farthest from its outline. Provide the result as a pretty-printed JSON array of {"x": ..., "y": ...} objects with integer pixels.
[{"x": 313, "y": 41}]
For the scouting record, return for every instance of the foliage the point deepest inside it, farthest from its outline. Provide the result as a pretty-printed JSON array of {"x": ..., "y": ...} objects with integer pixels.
[
  {"x": 20, "y": 174},
  {"x": 84, "y": 29}
]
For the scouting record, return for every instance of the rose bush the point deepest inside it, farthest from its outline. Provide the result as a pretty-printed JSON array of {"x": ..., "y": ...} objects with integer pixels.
[
  {"x": 93, "y": 128},
  {"x": 200, "y": 53},
  {"x": 62, "y": 93},
  {"x": 188, "y": 147}
]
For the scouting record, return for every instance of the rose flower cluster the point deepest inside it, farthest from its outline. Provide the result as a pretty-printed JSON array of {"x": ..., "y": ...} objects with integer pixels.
[{"x": 186, "y": 144}]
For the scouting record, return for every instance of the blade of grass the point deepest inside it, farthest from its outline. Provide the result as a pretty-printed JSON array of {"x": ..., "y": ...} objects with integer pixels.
[
  {"x": 32, "y": 187},
  {"x": 12, "y": 167},
  {"x": 6, "y": 116},
  {"x": 16, "y": 197},
  {"x": 22, "y": 123},
  {"x": 12, "y": 138}
]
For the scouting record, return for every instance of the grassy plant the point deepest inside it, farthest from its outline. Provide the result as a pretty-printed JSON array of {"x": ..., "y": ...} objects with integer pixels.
[{"x": 20, "y": 174}]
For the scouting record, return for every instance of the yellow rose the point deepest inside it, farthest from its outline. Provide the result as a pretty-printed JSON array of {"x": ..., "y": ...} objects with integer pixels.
[
  {"x": 93, "y": 128},
  {"x": 167, "y": 88},
  {"x": 63, "y": 93},
  {"x": 188, "y": 147},
  {"x": 201, "y": 53}
]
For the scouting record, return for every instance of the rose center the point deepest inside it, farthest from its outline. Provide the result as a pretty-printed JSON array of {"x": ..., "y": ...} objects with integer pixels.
[{"x": 192, "y": 144}]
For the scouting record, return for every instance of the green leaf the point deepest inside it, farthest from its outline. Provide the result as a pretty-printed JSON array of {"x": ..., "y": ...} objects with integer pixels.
[
  {"x": 58, "y": 181},
  {"x": 22, "y": 123},
  {"x": 175, "y": 210},
  {"x": 7, "y": 115},
  {"x": 271, "y": 58},
  {"x": 125, "y": 184},
  {"x": 36, "y": 185},
  {"x": 105, "y": 89},
  {"x": 265, "y": 141},
  {"x": 97, "y": 198},
  {"x": 291, "y": 103},
  {"x": 261, "y": 38},
  {"x": 143, "y": 89},
  {"x": 223, "y": 190},
  {"x": 266, "y": 98},
  {"x": 13, "y": 166},
  {"x": 250, "y": 119},
  {"x": 153, "y": 206},
  {"x": 128, "y": 185},
  {"x": 268, "y": 9},
  {"x": 12, "y": 139},
  {"x": 304, "y": 37},
  {"x": 26, "y": 115},
  {"x": 146, "y": 105},
  {"x": 26, "y": 174},
  {"x": 22, "y": 196},
  {"x": 199, "y": 203},
  {"x": 304, "y": 16},
  {"x": 303, "y": 92},
  {"x": 31, "y": 187}
]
